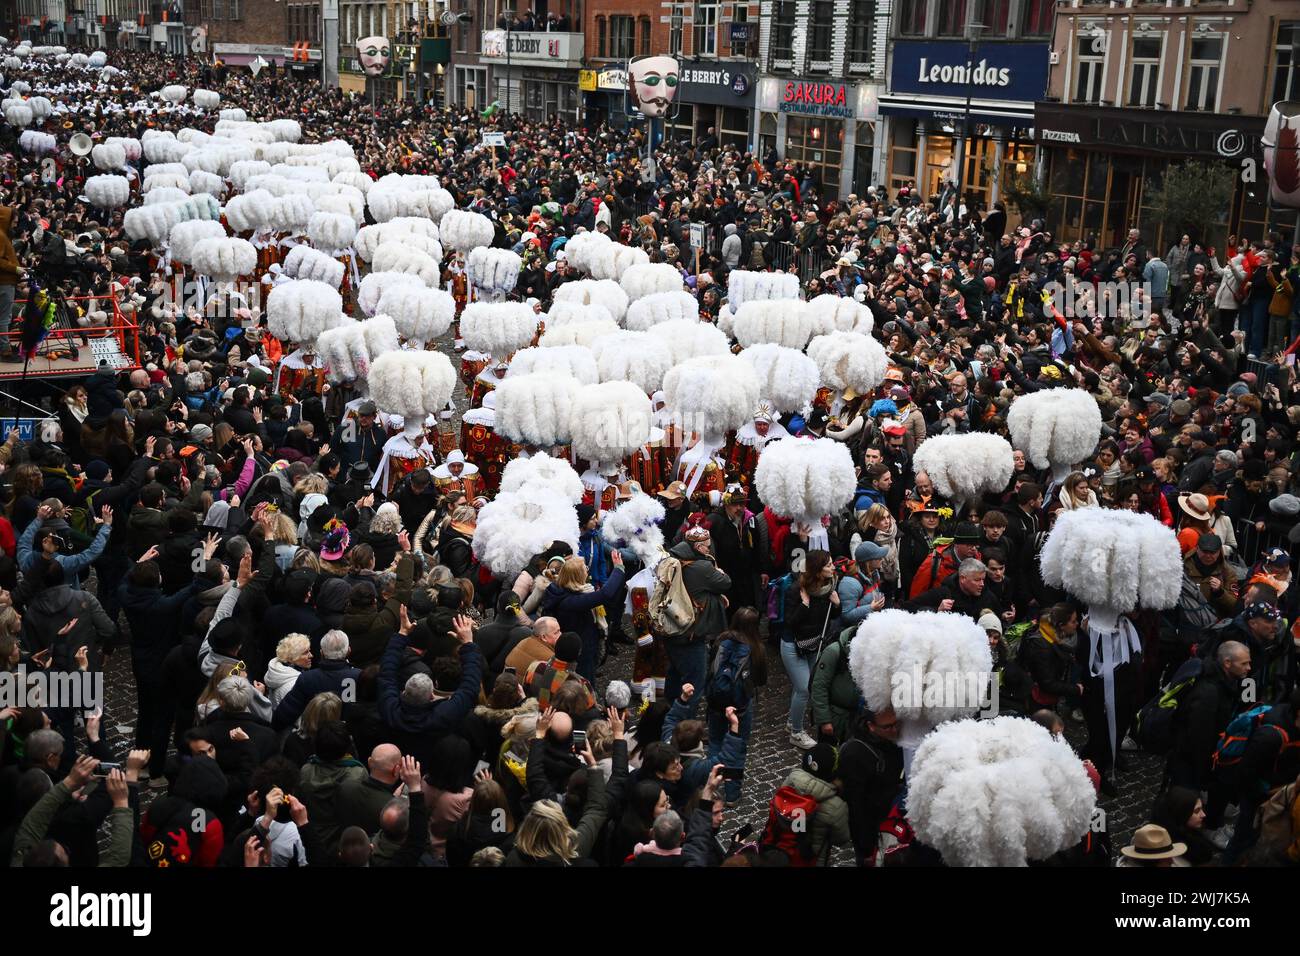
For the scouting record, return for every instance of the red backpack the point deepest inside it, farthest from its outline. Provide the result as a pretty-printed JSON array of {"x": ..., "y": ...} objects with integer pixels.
[{"x": 789, "y": 825}]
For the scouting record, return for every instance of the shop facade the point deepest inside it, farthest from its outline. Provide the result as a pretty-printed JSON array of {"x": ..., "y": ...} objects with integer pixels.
[
  {"x": 536, "y": 73},
  {"x": 1102, "y": 163},
  {"x": 830, "y": 127},
  {"x": 717, "y": 94},
  {"x": 934, "y": 86}
]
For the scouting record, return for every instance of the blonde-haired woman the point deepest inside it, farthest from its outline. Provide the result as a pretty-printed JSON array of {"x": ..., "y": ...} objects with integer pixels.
[
  {"x": 544, "y": 838},
  {"x": 878, "y": 526},
  {"x": 280, "y": 532},
  {"x": 300, "y": 745},
  {"x": 292, "y": 657},
  {"x": 1076, "y": 493},
  {"x": 576, "y": 605}
]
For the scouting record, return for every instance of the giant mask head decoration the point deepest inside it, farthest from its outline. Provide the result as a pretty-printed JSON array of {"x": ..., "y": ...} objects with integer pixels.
[
  {"x": 372, "y": 53},
  {"x": 653, "y": 83},
  {"x": 1281, "y": 141}
]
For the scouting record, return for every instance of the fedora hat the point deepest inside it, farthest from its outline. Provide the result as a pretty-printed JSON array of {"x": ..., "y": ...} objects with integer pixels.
[
  {"x": 1152, "y": 842},
  {"x": 1196, "y": 505}
]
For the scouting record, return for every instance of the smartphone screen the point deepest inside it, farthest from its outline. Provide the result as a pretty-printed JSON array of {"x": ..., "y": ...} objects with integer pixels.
[
  {"x": 733, "y": 773},
  {"x": 579, "y": 740}
]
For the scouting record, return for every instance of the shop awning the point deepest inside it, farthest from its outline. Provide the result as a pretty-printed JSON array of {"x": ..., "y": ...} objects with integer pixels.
[{"x": 988, "y": 112}]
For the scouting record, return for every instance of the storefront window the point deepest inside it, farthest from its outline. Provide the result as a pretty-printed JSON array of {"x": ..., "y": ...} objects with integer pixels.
[
  {"x": 682, "y": 127},
  {"x": 938, "y": 164},
  {"x": 735, "y": 127},
  {"x": 766, "y": 134},
  {"x": 902, "y": 155},
  {"x": 817, "y": 143},
  {"x": 864, "y": 154}
]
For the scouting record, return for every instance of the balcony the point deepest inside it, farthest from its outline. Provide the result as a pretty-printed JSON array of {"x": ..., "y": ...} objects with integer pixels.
[{"x": 558, "y": 50}]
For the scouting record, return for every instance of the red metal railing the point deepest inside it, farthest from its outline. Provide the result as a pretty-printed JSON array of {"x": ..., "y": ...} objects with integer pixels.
[{"x": 120, "y": 325}]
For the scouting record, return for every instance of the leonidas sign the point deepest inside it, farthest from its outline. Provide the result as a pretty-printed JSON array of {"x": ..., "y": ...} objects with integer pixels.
[
  {"x": 996, "y": 71},
  {"x": 818, "y": 99}
]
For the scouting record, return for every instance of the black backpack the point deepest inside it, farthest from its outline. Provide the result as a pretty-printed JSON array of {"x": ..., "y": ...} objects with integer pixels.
[
  {"x": 731, "y": 682},
  {"x": 1155, "y": 723}
]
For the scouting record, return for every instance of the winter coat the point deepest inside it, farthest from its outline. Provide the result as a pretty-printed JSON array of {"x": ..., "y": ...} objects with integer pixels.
[
  {"x": 872, "y": 771},
  {"x": 51, "y": 609},
  {"x": 329, "y": 676},
  {"x": 482, "y": 728},
  {"x": 706, "y": 584},
  {"x": 830, "y": 825},
  {"x": 835, "y": 694},
  {"x": 360, "y": 800},
  {"x": 73, "y": 564},
  {"x": 1201, "y": 716},
  {"x": 416, "y": 727},
  {"x": 1048, "y": 663},
  {"x": 573, "y": 609},
  {"x": 319, "y": 787},
  {"x": 279, "y": 680},
  {"x": 153, "y": 617}
]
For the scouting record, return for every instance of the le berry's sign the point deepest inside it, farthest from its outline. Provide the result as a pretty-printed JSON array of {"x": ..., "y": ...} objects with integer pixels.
[{"x": 724, "y": 83}]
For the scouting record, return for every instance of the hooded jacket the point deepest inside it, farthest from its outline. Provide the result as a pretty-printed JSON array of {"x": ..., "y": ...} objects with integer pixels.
[
  {"x": 319, "y": 787},
  {"x": 706, "y": 585},
  {"x": 830, "y": 825},
  {"x": 53, "y": 608}
]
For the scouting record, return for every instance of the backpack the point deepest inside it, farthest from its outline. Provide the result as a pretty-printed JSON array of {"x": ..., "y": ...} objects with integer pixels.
[
  {"x": 1155, "y": 721},
  {"x": 730, "y": 683},
  {"x": 776, "y": 591},
  {"x": 1011, "y": 637},
  {"x": 1232, "y": 741},
  {"x": 1274, "y": 822},
  {"x": 672, "y": 612},
  {"x": 81, "y": 518},
  {"x": 789, "y": 825}
]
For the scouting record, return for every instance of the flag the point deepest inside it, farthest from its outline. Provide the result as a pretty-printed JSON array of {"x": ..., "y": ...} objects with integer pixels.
[{"x": 38, "y": 319}]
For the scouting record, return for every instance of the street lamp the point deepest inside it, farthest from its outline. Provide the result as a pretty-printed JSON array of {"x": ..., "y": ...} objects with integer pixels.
[{"x": 972, "y": 33}]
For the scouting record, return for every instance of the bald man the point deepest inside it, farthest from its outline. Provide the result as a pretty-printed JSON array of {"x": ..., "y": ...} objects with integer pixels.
[
  {"x": 360, "y": 802},
  {"x": 540, "y": 646}
]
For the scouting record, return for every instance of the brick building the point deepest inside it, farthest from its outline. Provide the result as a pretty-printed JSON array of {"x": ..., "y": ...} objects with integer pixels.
[{"x": 1138, "y": 86}]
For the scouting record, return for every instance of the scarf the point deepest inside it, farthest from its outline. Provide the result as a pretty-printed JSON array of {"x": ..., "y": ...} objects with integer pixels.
[{"x": 823, "y": 589}]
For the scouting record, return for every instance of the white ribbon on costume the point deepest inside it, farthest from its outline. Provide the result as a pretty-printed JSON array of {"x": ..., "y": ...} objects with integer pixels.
[
  {"x": 697, "y": 459},
  {"x": 1114, "y": 641},
  {"x": 401, "y": 446},
  {"x": 351, "y": 253}
]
